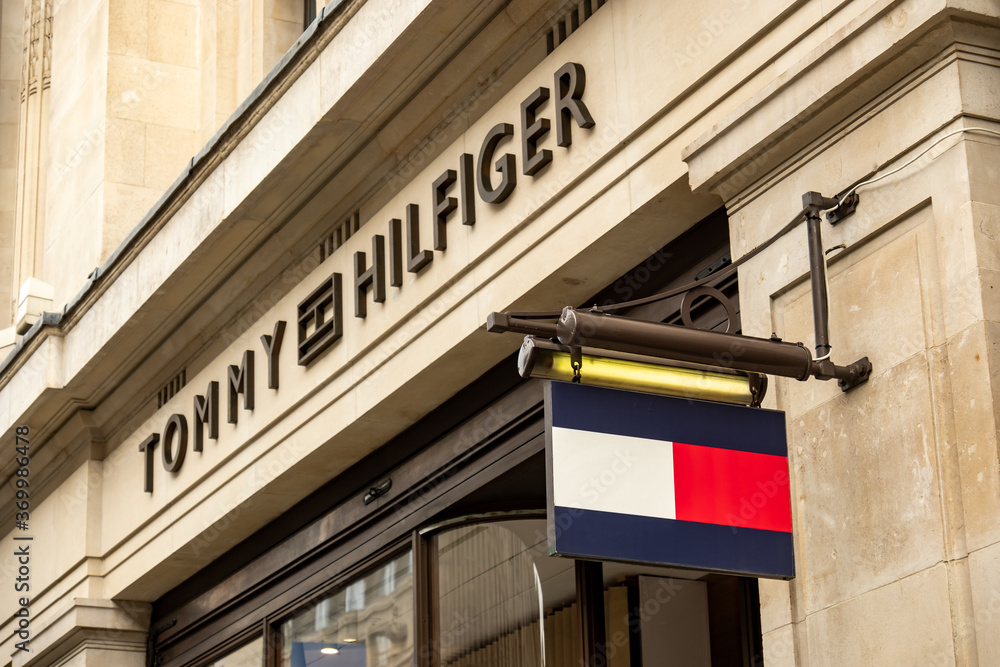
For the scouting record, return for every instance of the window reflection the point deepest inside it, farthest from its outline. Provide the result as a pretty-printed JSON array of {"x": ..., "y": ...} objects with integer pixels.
[
  {"x": 248, "y": 655},
  {"x": 368, "y": 623},
  {"x": 489, "y": 598}
]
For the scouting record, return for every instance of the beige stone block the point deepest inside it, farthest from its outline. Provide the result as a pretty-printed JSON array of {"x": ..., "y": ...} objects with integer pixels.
[
  {"x": 867, "y": 507},
  {"x": 209, "y": 74},
  {"x": 289, "y": 11},
  {"x": 974, "y": 365},
  {"x": 775, "y": 604},
  {"x": 279, "y": 37},
  {"x": 8, "y": 143},
  {"x": 983, "y": 155},
  {"x": 79, "y": 62},
  {"x": 174, "y": 38},
  {"x": 10, "y": 92},
  {"x": 8, "y": 188},
  {"x": 779, "y": 647},
  {"x": 227, "y": 67},
  {"x": 989, "y": 281},
  {"x": 62, "y": 520},
  {"x": 460, "y": 93},
  {"x": 208, "y": 25},
  {"x": 6, "y": 230},
  {"x": 125, "y": 160},
  {"x": 124, "y": 208},
  {"x": 128, "y": 32},
  {"x": 153, "y": 92},
  {"x": 124, "y": 480},
  {"x": 71, "y": 256},
  {"x": 88, "y": 9},
  {"x": 77, "y": 149},
  {"x": 681, "y": 43},
  {"x": 109, "y": 657},
  {"x": 977, "y": 81},
  {"x": 248, "y": 60},
  {"x": 906, "y": 622},
  {"x": 168, "y": 153},
  {"x": 984, "y": 568},
  {"x": 451, "y": 321},
  {"x": 595, "y": 228},
  {"x": 99, "y": 631},
  {"x": 870, "y": 295},
  {"x": 6, "y": 272},
  {"x": 986, "y": 232},
  {"x": 204, "y": 208},
  {"x": 11, "y": 28}
]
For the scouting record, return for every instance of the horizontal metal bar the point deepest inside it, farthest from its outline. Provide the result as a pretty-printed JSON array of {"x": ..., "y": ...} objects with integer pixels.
[
  {"x": 501, "y": 322},
  {"x": 669, "y": 341}
]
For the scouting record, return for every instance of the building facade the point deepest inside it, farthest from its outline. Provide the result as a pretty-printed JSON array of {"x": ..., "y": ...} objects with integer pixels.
[{"x": 250, "y": 413}]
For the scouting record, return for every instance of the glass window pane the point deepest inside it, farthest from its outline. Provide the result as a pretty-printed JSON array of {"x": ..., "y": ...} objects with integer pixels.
[
  {"x": 368, "y": 623},
  {"x": 489, "y": 597},
  {"x": 248, "y": 655}
]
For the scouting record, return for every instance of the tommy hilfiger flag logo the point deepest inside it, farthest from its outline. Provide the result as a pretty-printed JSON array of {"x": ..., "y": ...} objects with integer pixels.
[{"x": 655, "y": 479}]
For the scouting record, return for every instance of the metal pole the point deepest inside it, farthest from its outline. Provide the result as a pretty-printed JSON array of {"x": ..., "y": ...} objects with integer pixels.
[
  {"x": 814, "y": 203},
  {"x": 759, "y": 355}
]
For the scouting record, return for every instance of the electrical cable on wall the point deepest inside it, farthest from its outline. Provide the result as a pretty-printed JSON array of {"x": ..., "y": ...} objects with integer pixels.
[
  {"x": 906, "y": 164},
  {"x": 763, "y": 246}
]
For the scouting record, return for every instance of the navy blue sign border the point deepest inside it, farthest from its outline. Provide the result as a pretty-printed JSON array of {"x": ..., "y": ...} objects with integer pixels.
[
  {"x": 666, "y": 418},
  {"x": 591, "y": 534}
]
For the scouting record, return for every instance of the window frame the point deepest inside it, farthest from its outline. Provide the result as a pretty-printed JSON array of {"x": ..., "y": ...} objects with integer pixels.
[{"x": 274, "y": 655}]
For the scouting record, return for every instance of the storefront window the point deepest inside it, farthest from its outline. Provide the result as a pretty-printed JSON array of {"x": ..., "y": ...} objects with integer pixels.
[
  {"x": 368, "y": 623},
  {"x": 248, "y": 655},
  {"x": 489, "y": 597}
]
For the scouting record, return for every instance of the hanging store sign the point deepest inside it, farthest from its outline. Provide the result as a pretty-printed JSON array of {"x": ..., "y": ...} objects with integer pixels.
[{"x": 655, "y": 479}]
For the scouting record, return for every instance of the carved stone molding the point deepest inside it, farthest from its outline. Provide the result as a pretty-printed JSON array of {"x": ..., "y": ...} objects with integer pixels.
[{"x": 37, "y": 57}]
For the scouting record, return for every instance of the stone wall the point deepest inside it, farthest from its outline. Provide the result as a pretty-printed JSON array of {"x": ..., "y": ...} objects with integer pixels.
[{"x": 896, "y": 484}]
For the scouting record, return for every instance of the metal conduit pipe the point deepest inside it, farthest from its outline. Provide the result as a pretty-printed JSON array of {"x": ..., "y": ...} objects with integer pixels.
[{"x": 746, "y": 353}]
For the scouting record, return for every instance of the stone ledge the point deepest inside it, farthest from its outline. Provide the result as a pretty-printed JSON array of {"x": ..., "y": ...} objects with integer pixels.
[
  {"x": 88, "y": 624},
  {"x": 838, "y": 78}
]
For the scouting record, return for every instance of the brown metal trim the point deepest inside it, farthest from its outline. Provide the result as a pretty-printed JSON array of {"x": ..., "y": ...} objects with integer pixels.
[
  {"x": 426, "y": 601},
  {"x": 421, "y": 601},
  {"x": 272, "y": 643},
  {"x": 590, "y": 612}
]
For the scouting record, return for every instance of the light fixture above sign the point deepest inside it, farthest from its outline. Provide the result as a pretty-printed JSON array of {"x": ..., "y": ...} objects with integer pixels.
[{"x": 541, "y": 358}]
